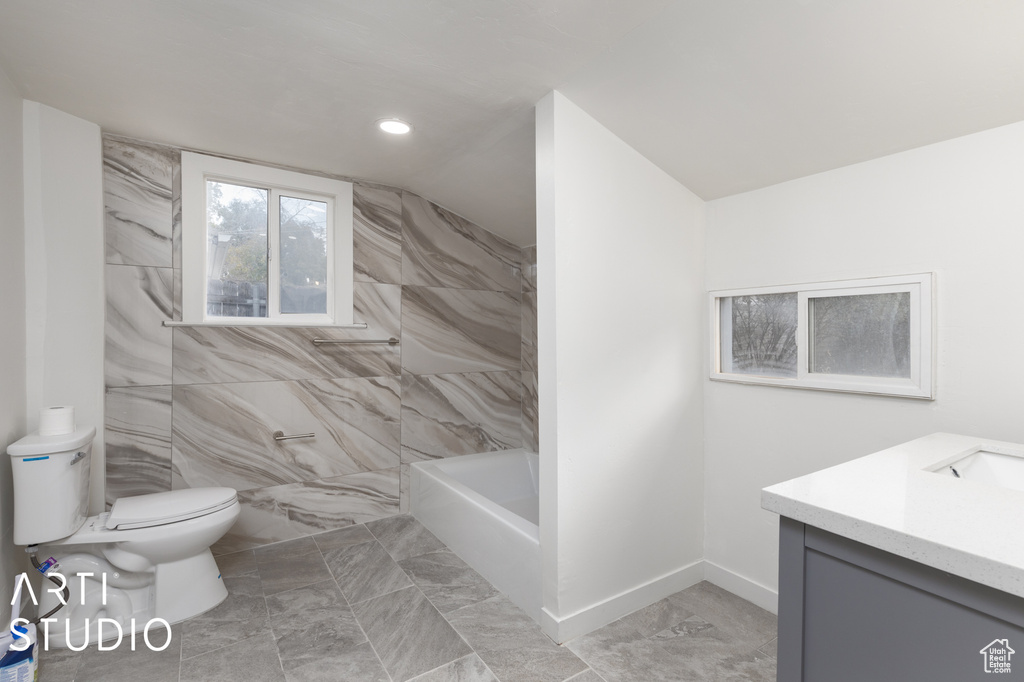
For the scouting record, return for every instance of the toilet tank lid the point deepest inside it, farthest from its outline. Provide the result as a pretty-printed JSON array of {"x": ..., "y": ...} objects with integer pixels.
[
  {"x": 34, "y": 444},
  {"x": 141, "y": 511}
]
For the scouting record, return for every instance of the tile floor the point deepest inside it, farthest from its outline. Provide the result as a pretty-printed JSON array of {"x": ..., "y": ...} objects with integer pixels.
[{"x": 387, "y": 602}]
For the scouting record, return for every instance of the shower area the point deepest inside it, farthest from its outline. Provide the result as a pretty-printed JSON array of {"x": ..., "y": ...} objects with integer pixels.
[{"x": 192, "y": 406}]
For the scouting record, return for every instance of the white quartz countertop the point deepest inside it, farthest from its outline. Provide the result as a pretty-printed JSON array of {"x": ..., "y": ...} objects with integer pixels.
[{"x": 890, "y": 500}]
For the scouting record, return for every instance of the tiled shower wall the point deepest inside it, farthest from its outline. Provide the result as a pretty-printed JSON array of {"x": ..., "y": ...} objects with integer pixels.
[{"x": 197, "y": 406}]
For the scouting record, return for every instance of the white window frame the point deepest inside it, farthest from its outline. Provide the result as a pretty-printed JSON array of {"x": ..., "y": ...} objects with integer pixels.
[
  {"x": 196, "y": 169},
  {"x": 920, "y": 384}
]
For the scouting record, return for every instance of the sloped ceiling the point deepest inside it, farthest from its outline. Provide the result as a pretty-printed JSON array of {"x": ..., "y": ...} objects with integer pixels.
[{"x": 725, "y": 95}]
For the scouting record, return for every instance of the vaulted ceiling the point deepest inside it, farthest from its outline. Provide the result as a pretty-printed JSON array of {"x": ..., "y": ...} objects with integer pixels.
[{"x": 725, "y": 95}]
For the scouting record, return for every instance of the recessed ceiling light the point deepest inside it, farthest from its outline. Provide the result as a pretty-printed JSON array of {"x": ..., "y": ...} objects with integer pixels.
[{"x": 394, "y": 126}]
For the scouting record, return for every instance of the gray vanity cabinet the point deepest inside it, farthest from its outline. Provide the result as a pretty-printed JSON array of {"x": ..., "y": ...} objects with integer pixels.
[{"x": 849, "y": 612}]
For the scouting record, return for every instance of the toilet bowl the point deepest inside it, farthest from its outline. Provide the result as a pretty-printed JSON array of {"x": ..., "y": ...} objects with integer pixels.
[{"x": 147, "y": 558}]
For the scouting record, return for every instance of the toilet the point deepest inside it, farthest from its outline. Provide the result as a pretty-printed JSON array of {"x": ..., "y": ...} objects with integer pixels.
[{"x": 150, "y": 554}]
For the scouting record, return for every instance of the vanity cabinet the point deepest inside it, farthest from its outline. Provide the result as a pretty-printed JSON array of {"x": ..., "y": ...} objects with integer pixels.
[{"x": 849, "y": 612}]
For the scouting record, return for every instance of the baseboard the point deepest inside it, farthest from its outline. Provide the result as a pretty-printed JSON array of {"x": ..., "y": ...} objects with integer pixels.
[
  {"x": 591, "y": 618},
  {"x": 755, "y": 593}
]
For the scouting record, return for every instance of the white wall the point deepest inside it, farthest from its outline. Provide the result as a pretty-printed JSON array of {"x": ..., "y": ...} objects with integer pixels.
[
  {"x": 954, "y": 208},
  {"x": 12, "y": 331},
  {"x": 64, "y": 254},
  {"x": 620, "y": 281}
]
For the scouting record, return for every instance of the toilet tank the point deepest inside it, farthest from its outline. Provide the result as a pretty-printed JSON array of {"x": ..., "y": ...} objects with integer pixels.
[{"x": 51, "y": 485}]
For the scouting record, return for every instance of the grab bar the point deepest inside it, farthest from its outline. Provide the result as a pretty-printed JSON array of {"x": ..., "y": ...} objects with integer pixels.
[
  {"x": 279, "y": 435},
  {"x": 391, "y": 342}
]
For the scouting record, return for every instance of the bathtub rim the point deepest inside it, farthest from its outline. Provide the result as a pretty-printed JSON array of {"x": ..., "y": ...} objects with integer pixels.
[{"x": 436, "y": 469}]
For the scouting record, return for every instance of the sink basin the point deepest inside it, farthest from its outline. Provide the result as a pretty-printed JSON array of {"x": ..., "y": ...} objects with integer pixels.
[{"x": 993, "y": 466}]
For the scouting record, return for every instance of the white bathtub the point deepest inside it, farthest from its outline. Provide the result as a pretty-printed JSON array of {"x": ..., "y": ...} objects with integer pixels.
[{"x": 484, "y": 507}]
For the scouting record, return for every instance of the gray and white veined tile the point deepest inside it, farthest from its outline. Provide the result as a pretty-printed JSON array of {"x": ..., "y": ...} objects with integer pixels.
[
  {"x": 365, "y": 571},
  {"x": 458, "y": 330},
  {"x": 285, "y": 566},
  {"x": 444, "y": 415},
  {"x": 619, "y": 653},
  {"x": 377, "y": 234},
  {"x": 137, "y": 346},
  {"x": 511, "y": 644},
  {"x": 205, "y": 355},
  {"x": 405, "y": 489},
  {"x": 125, "y": 663},
  {"x": 403, "y": 537},
  {"x": 176, "y": 214},
  {"x": 466, "y": 669},
  {"x": 296, "y": 510},
  {"x": 137, "y": 436},
  {"x": 446, "y": 580},
  {"x": 176, "y": 305},
  {"x": 530, "y": 426},
  {"x": 408, "y": 633},
  {"x": 137, "y": 180},
  {"x": 528, "y": 263},
  {"x": 223, "y": 434},
  {"x": 441, "y": 249},
  {"x": 528, "y": 321},
  {"x": 254, "y": 660},
  {"x": 312, "y": 619},
  {"x": 242, "y": 615}
]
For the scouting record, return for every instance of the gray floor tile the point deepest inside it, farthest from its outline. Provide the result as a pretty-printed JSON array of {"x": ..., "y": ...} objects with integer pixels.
[
  {"x": 343, "y": 537},
  {"x": 587, "y": 675},
  {"x": 447, "y": 581},
  {"x": 511, "y": 644},
  {"x": 124, "y": 665},
  {"x": 619, "y": 653},
  {"x": 466, "y": 669},
  {"x": 371, "y": 620},
  {"x": 699, "y": 645},
  {"x": 658, "y": 616},
  {"x": 236, "y": 564},
  {"x": 750, "y": 667},
  {"x": 251, "y": 660},
  {"x": 242, "y": 615},
  {"x": 291, "y": 564},
  {"x": 284, "y": 550},
  {"x": 748, "y": 626},
  {"x": 312, "y": 619},
  {"x": 358, "y": 664},
  {"x": 404, "y": 537},
  {"x": 365, "y": 571},
  {"x": 59, "y": 665},
  {"x": 408, "y": 633}
]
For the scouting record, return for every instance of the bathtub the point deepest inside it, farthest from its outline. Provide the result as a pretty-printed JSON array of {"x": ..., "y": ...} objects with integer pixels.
[{"x": 485, "y": 508}]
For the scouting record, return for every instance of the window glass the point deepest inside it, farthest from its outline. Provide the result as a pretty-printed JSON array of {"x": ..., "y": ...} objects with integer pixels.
[
  {"x": 303, "y": 255},
  {"x": 763, "y": 338},
  {"x": 865, "y": 335},
  {"x": 236, "y": 277}
]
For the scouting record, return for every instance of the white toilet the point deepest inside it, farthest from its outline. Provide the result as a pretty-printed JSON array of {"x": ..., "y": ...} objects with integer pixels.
[{"x": 152, "y": 551}]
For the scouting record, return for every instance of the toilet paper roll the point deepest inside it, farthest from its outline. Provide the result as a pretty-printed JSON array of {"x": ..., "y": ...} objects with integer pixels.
[{"x": 57, "y": 420}]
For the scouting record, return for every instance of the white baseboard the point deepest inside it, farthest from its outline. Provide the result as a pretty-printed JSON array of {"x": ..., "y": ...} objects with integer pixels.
[
  {"x": 755, "y": 593},
  {"x": 591, "y": 618}
]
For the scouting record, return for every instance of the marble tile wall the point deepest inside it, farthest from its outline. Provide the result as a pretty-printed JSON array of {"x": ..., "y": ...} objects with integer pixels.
[
  {"x": 530, "y": 433},
  {"x": 198, "y": 406}
]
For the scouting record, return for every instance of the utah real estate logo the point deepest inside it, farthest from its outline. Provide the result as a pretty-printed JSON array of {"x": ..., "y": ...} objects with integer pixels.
[{"x": 997, "y": 656}]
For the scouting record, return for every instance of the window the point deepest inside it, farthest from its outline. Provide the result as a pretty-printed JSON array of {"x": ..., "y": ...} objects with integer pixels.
[
  {"x": 262, "y": 245},
  {"x": 866, "y": 336}
]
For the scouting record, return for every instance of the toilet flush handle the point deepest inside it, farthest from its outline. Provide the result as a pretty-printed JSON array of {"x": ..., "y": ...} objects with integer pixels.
[{"x": 79, "y": 456}]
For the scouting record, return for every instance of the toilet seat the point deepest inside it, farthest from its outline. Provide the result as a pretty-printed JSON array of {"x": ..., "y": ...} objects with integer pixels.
[
  {"x": 156, "y": 515},
  {"x": 157, "y": 509}
]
